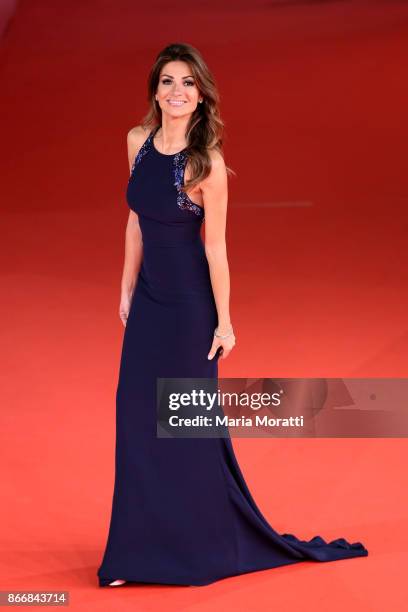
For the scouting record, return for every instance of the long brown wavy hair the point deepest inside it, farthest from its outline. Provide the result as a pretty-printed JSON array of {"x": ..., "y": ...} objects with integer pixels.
[{"x": 205, "y": 128}]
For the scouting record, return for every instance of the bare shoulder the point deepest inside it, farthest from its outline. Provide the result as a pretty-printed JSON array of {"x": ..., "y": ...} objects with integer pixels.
[
  {"x": 136, "y": 136},
  {"x": 217, "y": 159},
  {"x": 218, "y": 172}
]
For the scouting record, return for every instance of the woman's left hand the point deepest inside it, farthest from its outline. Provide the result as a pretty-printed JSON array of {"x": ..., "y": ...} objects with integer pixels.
[{"x": 226, "y": 344}]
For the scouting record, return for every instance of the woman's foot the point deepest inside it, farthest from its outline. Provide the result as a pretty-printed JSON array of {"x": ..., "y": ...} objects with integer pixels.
[{"x": 117, "y": 583}]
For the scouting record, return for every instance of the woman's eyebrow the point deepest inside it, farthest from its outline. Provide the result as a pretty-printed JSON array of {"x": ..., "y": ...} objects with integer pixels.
[{"x": 184, "y": 77}]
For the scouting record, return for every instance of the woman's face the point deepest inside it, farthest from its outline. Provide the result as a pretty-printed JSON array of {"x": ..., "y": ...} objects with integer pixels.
[{"x": 177, "y": 93}]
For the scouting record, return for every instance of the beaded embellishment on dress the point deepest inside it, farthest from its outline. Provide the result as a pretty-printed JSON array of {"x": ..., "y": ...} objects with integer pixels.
[
  {"x": 179, "y": 165},
  {"x": 142, "y": 151},
  {"x": 183, "y": 201}
]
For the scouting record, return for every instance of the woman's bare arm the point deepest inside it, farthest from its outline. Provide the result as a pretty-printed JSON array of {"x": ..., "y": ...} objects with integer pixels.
[
  {"x": 133, "y": 254},
  {"x": 133, "y": 235},
  {"x": 214, "y": 189}
]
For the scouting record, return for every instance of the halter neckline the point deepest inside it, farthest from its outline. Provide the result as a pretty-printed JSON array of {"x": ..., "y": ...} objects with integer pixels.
[{"x": 152, "y": 135}]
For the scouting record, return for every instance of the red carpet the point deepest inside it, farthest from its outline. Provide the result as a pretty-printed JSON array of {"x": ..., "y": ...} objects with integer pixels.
[{"x": 314, "y": 98}]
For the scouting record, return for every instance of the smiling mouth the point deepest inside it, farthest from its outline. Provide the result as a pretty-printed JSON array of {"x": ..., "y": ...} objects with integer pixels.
[{"x": 176, "y": 102}]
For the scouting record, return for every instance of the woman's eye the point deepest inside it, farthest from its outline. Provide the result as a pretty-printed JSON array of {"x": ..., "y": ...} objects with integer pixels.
[{"x": 166, "y": 81}]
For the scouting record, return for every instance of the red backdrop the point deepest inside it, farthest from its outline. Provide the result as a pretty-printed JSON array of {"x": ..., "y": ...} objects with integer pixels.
[{"x": 314, "y": 98}]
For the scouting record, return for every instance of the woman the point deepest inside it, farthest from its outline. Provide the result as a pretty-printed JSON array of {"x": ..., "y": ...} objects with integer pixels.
[{"x": 181, "y": 512}]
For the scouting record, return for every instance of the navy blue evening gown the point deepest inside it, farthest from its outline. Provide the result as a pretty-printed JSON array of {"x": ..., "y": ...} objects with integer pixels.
[{"x": 181, "y": 510}]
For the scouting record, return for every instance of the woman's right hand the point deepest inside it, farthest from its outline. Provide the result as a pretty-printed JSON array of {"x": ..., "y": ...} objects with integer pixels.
[{"x": 124, "y": 307}]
